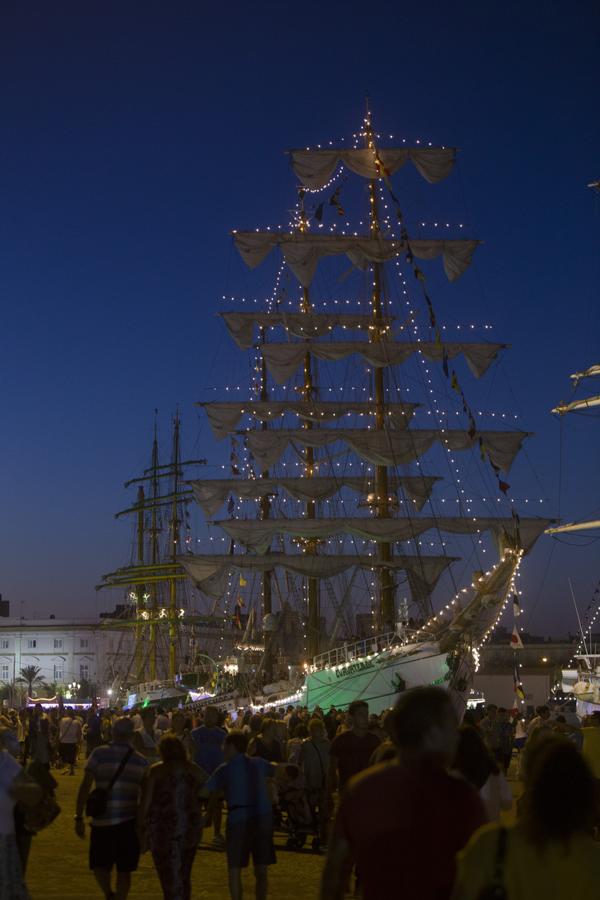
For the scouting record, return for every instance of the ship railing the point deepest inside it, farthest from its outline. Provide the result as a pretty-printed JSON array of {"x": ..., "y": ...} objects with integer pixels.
[
  {"x": 349, "y": 652},
  {"x": 149, "y": 686}
]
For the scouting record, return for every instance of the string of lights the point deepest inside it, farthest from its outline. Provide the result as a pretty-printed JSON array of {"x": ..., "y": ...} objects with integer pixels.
[{"x": 242, "y": 459}]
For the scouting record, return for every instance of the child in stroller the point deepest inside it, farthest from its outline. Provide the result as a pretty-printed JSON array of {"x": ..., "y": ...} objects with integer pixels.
[{"x": 296, "y": 813}]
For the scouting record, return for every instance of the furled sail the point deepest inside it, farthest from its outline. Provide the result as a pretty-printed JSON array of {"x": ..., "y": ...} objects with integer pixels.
[
  {"x": 214, "y": 493},
  {"x": 314, "y": 168},
  {"x": 387, "y": 448},
  {"x": 577, "y": 405},
  {"x": 225, "y": 417},
  {"x": 587, "y": 373},
  {"x": 241, "y": 325},
  {"x": 256, "y": 534},
  {"x": 302, "y": 252},
  {"x": 284, "y": 359},
  {"x": 592, "y": 525},
  {"x": 210, "y": 571}
]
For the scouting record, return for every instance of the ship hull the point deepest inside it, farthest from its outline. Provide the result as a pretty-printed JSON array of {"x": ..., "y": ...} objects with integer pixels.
[
  {"x": 167, "y": 696},
  {"x": 378, "y": 681}
]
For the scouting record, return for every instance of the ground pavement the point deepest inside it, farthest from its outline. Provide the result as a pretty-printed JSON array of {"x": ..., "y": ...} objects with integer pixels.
[{"x": 58, "y": 866}]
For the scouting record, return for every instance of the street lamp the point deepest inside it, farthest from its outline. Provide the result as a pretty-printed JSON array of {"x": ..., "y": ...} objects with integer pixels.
[{"x": 72, "y": 688}]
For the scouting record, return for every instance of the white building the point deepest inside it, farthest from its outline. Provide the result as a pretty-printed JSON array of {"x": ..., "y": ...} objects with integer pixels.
[{"x": 65, "y": 650}]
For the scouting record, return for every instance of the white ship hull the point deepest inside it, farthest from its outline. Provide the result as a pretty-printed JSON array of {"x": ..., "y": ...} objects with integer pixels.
[{"x": 378, "y": 679}]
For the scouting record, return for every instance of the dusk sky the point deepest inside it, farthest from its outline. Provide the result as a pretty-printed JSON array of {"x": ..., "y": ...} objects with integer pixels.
[{"x": 135, "y": 136}]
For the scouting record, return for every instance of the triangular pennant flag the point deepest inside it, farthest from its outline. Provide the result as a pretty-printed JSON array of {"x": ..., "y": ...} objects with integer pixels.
[
  {"x": 454, "y": 382},
  {"x": 445, "y": 363},
  {"x": 504, "y": 486},
  {"x": 515, "y": 639},
  {"x": 334, "y": 200},
  {"x": 319, "y": 212},
  {"x": 380, "y": 166},
  {"x": 516, "y": 606},
  {"x": 517, "y": 522},
  {"x": 243, "y": 581},
  {"x": 518, "y": 687},
  {"x": 429, "y": 307}
]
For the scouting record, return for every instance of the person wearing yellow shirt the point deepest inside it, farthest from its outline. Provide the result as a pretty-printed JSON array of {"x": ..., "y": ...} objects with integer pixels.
[
  {"x": 591, "y": 743},
  {"x": 550, "y": 853}
]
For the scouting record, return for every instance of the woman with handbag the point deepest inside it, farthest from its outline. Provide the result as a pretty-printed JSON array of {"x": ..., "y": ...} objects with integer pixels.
[
  {"x": 550, "y": 853},
  {"x": 170, "y": 817}
]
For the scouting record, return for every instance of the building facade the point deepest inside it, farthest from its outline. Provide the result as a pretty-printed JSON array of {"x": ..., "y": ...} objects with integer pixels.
[{"x": 64, "y": 650}]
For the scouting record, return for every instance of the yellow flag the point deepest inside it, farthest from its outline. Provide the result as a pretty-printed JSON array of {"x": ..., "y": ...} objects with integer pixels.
[{"x": 243, "y": 581}]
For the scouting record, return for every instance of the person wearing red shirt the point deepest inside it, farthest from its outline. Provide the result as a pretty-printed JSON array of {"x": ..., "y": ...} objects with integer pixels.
[{"x": 403, "y": 822}]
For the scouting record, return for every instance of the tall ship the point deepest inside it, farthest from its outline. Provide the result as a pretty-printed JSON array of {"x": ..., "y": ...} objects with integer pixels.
[
  {"x": 582, "y": 680},
  {"x": 163, "y": 627},
  {"x": 365, "y": 528}
]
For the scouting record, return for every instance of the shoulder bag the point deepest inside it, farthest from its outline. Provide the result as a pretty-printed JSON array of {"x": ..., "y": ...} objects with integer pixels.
[{"x": 97, "y": 801}]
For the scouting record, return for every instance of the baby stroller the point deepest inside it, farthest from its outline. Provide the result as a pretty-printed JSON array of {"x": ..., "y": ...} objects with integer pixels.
[{"x": 296, "y": 814}]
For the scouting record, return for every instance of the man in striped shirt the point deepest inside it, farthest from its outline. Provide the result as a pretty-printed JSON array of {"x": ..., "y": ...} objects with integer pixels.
[{"x": 113, "y": 840}]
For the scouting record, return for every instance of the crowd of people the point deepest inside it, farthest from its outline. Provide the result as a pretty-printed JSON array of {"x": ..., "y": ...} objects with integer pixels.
[{"x": 382, "y": 795}]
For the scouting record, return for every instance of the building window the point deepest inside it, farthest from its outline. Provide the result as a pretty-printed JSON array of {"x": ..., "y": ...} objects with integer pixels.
[
  {"x": 59, "y": 672},
  {"x": 31, "y": 644},
  {"x": 84, "y": 671},
  {"x": 58, "y": 644},
  {"x": 84, "y": 643},
  {"x": 4, "y": 644},
  {"x": 4, "y": 673}
]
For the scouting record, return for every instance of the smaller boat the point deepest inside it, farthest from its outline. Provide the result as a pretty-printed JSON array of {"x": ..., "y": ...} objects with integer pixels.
[{"x": 583, "y": 683}]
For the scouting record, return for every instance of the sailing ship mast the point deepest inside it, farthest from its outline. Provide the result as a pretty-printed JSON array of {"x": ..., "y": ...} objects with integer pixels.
[
  {"x": 309, "y": 394},
  {"x": 265, "y": 507},
  {"x": 144, "y": 579},
  {"x": 581, "y": 405},
  {"x": 387, "y": 605},
  {"x": 382, "y": 446}
]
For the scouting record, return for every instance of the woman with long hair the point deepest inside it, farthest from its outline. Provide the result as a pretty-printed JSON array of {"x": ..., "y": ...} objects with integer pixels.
[
  {"x": 551, "y": 852},
  {"x": 170, "y": 818},
  {"x": 476, "y": 764}
]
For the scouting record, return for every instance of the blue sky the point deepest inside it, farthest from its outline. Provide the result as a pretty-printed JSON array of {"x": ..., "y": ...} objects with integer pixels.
[{"x": 135, "y": 136}]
